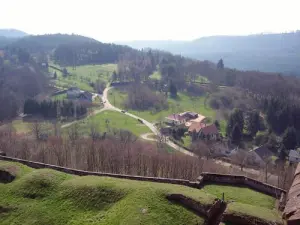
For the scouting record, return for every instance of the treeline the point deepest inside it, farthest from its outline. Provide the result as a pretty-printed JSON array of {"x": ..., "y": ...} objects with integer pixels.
[
  {"x": 125, "y": 155},
  {"x": 88, "y": 53},
  {"x": 53, "y": 109}
]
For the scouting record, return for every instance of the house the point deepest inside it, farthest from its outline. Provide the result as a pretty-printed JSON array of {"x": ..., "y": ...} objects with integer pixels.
[
  {"x": 73, "y": 92},
  {"x": 261, "y": 154},
  {"x": 210, "y": 132},
  {"x": 294, "y": 156},
  {"x": 175, "y": 119},
  {"x": 85, "y": 96}
]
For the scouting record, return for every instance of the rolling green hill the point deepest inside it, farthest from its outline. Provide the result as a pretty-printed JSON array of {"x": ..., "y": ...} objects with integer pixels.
[{"x": 45, "y": 196}]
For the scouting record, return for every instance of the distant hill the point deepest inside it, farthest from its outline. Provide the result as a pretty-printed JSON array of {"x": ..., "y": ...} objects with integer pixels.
[
  {"x": 264, "y": 52},
  {"x": 36, "y": 43},
  {"x": 12, "y": 33}
]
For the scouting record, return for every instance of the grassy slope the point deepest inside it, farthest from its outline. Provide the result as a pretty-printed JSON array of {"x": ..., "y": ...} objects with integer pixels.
[
  {"x": 85, "y": 74},
  {"x": 241, "y": 194},
  {"x": 116, "y": 120},
  {"x": 70, "y": 199},
  {"x": 182, "y": 103}
]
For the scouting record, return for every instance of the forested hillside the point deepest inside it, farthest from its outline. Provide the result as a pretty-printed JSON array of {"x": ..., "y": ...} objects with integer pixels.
[{"x": 266, "y": 52}]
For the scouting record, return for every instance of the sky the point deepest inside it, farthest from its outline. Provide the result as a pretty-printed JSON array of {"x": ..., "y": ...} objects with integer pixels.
[{"x": 126, "y": 20}]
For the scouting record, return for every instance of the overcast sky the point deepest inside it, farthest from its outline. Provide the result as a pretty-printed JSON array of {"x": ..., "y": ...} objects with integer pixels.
[{"x": 123, "y": 20}]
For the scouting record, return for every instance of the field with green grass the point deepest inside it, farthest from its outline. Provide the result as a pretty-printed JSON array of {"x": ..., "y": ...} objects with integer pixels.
[
  {"x": 241, "y": 195},
  {"x": 83, "y": 75},
  {"x": 59, "y": 97},
  {"x": 182, "y": 103},
  {"x": 45, "y": 196},
  {"x": 21, "y": 126},
  {"x": 107, "y": 120},
  {"x": 49, "y": 197}
]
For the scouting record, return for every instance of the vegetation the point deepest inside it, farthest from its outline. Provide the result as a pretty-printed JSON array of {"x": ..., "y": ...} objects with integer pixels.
[
  {"x": 182, "y": 103},
  {"x": 81, "y": 200},
  {"x": 68, "y": 198},
  {"x": 108, "y": 121},
  {"x": 54, "y": 109},
  {"x": 241, "y": 194},
  {"x": 87, "y": 77}
]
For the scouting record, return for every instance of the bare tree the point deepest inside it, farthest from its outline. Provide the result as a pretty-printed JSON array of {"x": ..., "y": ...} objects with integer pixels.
[{"x": 36, "y": 128}]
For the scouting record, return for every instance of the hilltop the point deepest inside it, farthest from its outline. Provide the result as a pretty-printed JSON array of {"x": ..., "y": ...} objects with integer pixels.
[
  {"x": 263, "y": 52},
  {"x": 12, "y": 33}
]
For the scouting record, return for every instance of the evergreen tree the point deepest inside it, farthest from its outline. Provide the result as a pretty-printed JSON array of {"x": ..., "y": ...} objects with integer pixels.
[
  {"x": 253, "y": 123},
  {"x": 289, "y": 139},
  {"x": 173, "y": 90},
  {"x": 236, "y": 118},
  {"x": 236, "y": 134},
  {"x": 220, "y": 64},
  {"x": 55, "y": 75}
]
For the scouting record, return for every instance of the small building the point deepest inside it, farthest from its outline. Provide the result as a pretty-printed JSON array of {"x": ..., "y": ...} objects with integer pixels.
[
  {"x": 261, "y": 155},
  {"x": 294, "y": 156},
  {"x": 85, "y": 96},
  {"x": 204, "y": 131},
  {"x": 73, "y": 92}
]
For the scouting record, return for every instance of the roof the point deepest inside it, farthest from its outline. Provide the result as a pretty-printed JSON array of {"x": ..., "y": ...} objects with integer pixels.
[
  {"x": 176, "y": 117},
  {"x": 292, "y": 208},
  {"x": 263, "y": 152},
  {"x": 210, "y": 129},
  {"x": 87, "y": 94},
  {"x": 196, "y": 126},
  {"x": 199, "y": 119}
]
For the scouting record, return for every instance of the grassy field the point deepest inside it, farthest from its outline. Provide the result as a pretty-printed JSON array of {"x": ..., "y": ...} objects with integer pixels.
[
  {"x": 155, "y": 76},
  {"x": 83, "y": 75},
  {"x": 182, "y": 103},
  {"x": 25, "y": 127},
  {"x": 107, "y": 120},
  {"x": 241, "y": 195},
  {"x": 270, "y": 215},
  {"x": 46, "y": 196},
  {"x": 49, "y": 197}
]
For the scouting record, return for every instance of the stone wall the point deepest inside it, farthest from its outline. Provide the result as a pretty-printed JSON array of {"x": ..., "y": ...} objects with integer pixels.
[
  {"x": 205, "y": 178},
  {"x": 242, "y": 181}
]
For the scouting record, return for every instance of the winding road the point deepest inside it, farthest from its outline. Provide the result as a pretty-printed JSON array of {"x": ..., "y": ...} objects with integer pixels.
[{"x": 108, "y": 106}]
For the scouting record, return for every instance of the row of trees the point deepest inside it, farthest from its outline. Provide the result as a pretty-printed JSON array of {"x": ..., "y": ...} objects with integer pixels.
[
  {"x": 54, "y": 109},
  {"x": 124, "y": 155}
]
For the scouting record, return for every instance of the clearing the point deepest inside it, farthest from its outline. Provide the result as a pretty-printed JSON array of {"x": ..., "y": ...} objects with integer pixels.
[
  {"x": 82, "y": 76},
  {"x": 107, "y": 120},
  {"x": 182, "y": 103}
]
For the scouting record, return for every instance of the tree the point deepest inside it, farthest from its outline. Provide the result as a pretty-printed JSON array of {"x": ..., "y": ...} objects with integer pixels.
[
  {"x": 114, "y": 76},
  {"x": 54, "y": 75},
  {"x": 173, "y": 90},
  {"x": 65, "y": 72},
  {"x": 289, "y": 138},
  {"x": 253, "y": 123},
  {"x": 236, "y": 118},
  {"x": 220, "y": 64},
  {"x": 236, "y": 134}
]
